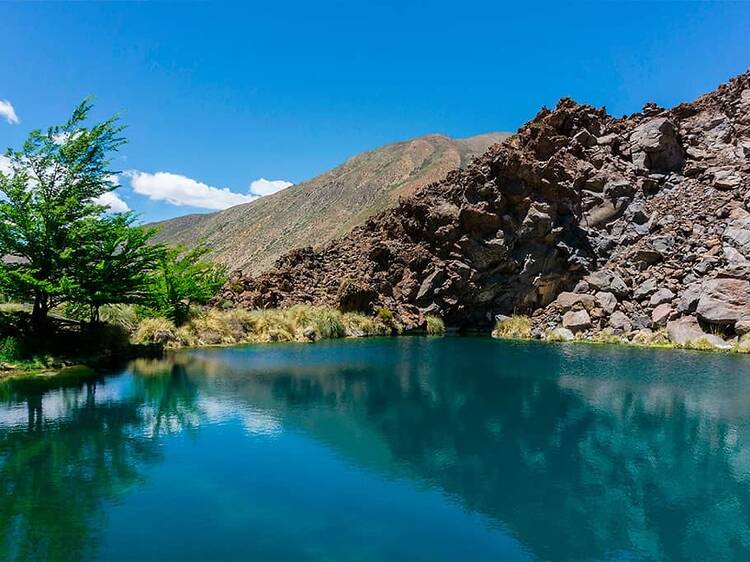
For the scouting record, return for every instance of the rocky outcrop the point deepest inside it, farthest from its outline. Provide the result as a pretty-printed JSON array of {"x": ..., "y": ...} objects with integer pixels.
[{"x": 585, "y": 222}]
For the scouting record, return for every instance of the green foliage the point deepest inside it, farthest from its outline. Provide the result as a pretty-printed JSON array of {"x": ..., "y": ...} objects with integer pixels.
[
  {"x": 123, "y": 315},
  {"x": 114, "y": 263},
  {"x": 384, "y": 314},
  {"x": 65, "y": 246},
  {"x": 435, "y": 325},
  {"x": 11, "y": 349},
  {"x": 49, "y": 204},
  {"x": 515, "y": 327},
  {"x": 181, "y": 279}
]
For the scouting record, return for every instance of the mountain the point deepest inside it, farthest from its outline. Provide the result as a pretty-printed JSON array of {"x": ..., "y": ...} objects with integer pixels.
[
  {"x": 586, "y": 222},
  {"x": 252, "y": 236}
]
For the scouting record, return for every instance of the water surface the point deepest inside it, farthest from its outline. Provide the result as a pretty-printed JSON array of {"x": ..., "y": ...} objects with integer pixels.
[{"x": 383, "y": 449}]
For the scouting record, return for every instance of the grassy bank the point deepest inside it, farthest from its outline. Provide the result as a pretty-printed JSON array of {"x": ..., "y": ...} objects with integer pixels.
[{"x": 301, "y": 323}]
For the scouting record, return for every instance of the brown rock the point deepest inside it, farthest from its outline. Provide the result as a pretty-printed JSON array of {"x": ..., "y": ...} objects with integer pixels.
[
  {"x": 661, "y": 314},
  {"x": 724, "y": 301},
  {"x": 576, "y": 320},
  {"x": 565, "y": 301}
]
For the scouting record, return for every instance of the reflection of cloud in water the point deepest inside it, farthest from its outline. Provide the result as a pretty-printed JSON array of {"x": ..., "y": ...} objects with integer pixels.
[
  {"x": 61, "y": 404},
  {"x": 255, "y": 421}
]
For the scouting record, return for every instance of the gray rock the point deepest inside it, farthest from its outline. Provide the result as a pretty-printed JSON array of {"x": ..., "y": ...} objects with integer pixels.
[
  {"x": 561, "y": 334},
  {"x": 689, "y": 298},
  {"x": 661, "y": 296},
  {"x": 585, "y": 138},
  {"x": 742, "y": 326},
  {"x": 724, "y": 301},
  {"x": 607, "y": 280},
  {"x": 726, "y": 179},
  {"x": 576, "y": 320},
  {"x": 581, "y": 287},
  {"x": 607, "y": 301},
  {"x": 432, "y": 282},
  {"x": 645, "y": 289},
  {"x": 655, "y": 146},
  {"x": 619, "y": 322}
]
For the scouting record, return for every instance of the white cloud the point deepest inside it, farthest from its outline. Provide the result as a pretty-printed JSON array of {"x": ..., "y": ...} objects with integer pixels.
[
  {"x": 8, "y": 112},
  {"x": 181, "y": 190},
  {"x": 112, "y": 200},
  {"x": 263, "y": 186}
]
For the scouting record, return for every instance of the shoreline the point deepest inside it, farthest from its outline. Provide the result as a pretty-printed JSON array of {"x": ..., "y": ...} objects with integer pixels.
[{"x": 84, "y": 370}]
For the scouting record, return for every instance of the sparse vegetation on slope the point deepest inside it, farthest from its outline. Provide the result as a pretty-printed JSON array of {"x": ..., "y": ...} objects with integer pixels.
[{"x": 252, "y": 236}]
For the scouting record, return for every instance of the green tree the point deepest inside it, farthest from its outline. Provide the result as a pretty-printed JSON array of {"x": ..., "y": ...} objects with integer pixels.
[
  {"x": 182, "y": 279},
  {"x": 113, "y": 264},
  {"x": 48, "y": 205}
]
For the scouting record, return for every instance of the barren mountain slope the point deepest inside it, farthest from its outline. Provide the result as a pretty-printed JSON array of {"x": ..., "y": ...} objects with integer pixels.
[
  {"x": 580, "y": 219},
  {"x": 252, "y": 236}
]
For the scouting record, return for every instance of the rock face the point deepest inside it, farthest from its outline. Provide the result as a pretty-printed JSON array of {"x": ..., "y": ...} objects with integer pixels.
[{"x": 633, "y": 223}]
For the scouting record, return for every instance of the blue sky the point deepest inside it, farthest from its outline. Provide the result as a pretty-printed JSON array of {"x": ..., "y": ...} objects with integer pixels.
[{"x": 216, "y": 96}]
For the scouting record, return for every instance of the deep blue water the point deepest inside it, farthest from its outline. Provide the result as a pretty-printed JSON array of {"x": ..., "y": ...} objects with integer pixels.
[{"x": 383, "y": 449}]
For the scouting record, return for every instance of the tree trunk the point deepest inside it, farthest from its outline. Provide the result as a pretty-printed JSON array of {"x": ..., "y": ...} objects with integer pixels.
[{"x": 40, "y": 312}]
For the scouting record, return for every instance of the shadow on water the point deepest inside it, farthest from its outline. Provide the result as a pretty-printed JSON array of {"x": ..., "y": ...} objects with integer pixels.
[{"x": 579, "y": 452}]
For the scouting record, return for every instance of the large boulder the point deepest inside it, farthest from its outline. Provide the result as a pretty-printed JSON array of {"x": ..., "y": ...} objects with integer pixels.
[
  {"x": 620, "y": 322},
  {"x": 607, "y": 280},
  {"x": 724, "y": 301},
  {"x": 577, "y": 320},
  {"x": 566, "y": 301},
  {"x": 687, "y": 331},
  {"x": 606, "y": 301},
  {"x": 656, "y": 147}
]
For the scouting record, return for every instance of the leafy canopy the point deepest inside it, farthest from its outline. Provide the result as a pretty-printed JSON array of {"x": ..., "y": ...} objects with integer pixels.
[
  {"x": 58, "y": 244},
  {"x": 181, "y": 279}
]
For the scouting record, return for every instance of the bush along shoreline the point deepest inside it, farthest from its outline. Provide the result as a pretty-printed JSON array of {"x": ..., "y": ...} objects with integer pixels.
[{"x": 126, "y": 332}]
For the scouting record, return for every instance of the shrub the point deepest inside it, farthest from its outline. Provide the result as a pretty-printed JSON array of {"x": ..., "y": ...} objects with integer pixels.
[
  {"x": 156, "y": 330},
  {"x": 211, "y": 328},
  {"x": 11, "y": 349},
  {"x": 327, "y": 323},
  {"x": 607, "y": 336},
  {"x": 123, "y": 315},
  {"x": 435, "y": 325},
  {"x": 272, "y": 325},
  {"x": 359, "y": 325},
  {"x": 515, "y": 327},
  {"x": 384, "y": 314}
]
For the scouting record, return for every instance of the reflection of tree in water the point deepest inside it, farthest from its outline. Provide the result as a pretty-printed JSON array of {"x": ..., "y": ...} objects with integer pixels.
[
  {"x": 58, "y": 468},
  {"x": 572, "y": 478}
]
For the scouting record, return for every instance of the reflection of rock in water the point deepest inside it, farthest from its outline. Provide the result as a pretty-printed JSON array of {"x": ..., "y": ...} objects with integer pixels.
[{"x": 577, "y": 466}]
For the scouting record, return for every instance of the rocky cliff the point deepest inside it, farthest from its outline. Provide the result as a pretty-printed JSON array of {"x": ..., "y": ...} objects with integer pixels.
[{"x": 580, "y": 220}]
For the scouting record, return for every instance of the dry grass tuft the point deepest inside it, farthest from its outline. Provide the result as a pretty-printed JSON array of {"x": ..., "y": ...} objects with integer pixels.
[{"x": 516, "y": 327}]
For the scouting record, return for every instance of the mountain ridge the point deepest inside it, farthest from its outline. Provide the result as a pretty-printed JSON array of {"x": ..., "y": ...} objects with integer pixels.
[{"x": 253, "y": 235}]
